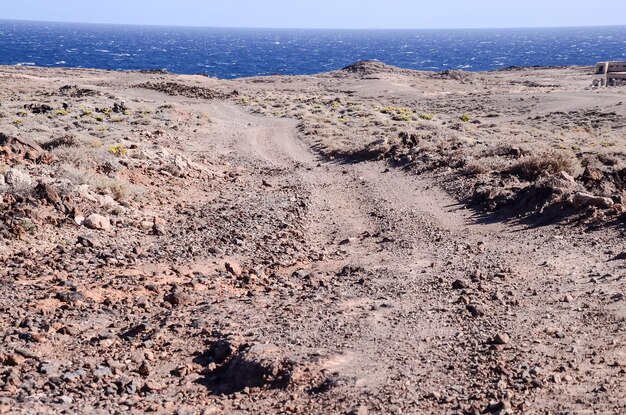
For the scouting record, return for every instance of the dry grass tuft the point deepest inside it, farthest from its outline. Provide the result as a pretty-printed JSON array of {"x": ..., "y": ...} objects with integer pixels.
[
  {"x": 552, "y": 162},
  {"x": 476, "y": 168},
  {"x": 118, "y": 188}
]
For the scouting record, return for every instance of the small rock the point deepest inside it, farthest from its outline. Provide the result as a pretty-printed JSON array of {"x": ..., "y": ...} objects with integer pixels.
[
  {"x": 498, "y": 407},
  {"x": 179, "y": 371},
  {"x": 15, "y": 360},
  {"x": 48, "y": 193},
  {"x": 459, "y": 285},
  {"x": 132, "y": 332},
  {"x": 435, "y": 395},
  {"x": 127, "y": 385},
  {"x": 144, "y": 369},
  {"x": 73, "y": 376},
  {"x": 233, "y": 268},
  {"x": 102, "y": 372},
  {"x": 592, "y": 174},
  {"x": 98, "y": 222},
  {"x": 220, "y": 350},
  {"x": 146, "y": 225},
  {"x": 502, "y": 338},
  {"x": 86, "y": 241},
  {"x": 49, "y": 369},
  {"x": 17, "y": 178},
  {"x": 215, "y": 251},
  {"x": 582, "y": 200},
  {"x": 38, "y": 337},
  {"x": 475, "y": 310},
  {"x": 177, "y": 297},
  {"x": 70, "y": 297},
  {"x": 566, "y": 176},
  {"x": 158, "y": 229},
  {"x": 152, "y": 386},
  {"x": 537, "y": 383},
  {"x": 64, "y": 400},
  {"x": 568, "y": 299}
]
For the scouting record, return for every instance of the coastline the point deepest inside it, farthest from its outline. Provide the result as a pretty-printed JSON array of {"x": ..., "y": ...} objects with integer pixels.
[{"x": 149, "y": 71}]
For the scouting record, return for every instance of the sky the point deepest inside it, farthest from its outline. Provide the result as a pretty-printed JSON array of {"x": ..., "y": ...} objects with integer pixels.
[{"x": 389, "y": 14}]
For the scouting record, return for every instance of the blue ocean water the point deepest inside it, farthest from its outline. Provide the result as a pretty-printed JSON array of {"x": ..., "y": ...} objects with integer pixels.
[{"x": 232, "y": 53}]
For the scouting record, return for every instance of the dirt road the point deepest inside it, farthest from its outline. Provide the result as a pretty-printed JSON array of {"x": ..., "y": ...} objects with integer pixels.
[{"x": 430, "y": 304}]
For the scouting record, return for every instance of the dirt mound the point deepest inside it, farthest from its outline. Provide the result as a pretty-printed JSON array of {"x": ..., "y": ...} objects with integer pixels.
[
  {"x": 174, "y": 88},
  {"x": 454, "y": 74},
  {"x": 372, "y": 67},
  {"x": 257, "y": 366},
  {"x": 74, "y": 91}
]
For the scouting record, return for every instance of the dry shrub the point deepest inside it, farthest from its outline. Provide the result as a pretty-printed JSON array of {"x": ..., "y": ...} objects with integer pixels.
[
  {"x": 507, "y": 150},
  {"x": 475, "y": 168},
  {"x": 62, "y": 141},
  {"x": 118, "y": 188},
  {"x": 552, "y": 162},
  {"x": 87, "y": 158}
]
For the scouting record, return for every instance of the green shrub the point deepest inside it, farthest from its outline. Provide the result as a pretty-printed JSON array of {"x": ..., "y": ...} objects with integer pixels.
[
  {"x": 398, "y": 113},
  {"x": 118, "y": 150}
]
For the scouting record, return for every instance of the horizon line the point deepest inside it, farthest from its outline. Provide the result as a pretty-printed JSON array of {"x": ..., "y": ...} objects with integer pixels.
[{"x": 304, "y": 28}]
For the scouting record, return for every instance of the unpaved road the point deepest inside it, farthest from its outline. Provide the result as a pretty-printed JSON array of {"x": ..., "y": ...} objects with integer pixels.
[{"x": 397, "y": 334}]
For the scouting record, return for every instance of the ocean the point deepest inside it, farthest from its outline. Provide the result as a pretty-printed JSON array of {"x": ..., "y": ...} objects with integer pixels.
[{"x": 233, "y": 53}]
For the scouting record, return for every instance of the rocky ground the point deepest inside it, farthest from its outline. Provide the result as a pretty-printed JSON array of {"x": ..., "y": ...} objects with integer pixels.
[{"x": 371, "y": 240}]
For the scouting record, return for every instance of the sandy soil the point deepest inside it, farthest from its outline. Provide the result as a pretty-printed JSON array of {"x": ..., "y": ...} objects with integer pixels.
[{"x": 372, "y": 240}]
